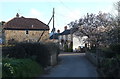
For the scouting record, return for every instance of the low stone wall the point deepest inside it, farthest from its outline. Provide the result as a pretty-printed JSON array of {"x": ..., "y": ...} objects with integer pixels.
[
  {"x": 53, "y": 59},
  {"x": 92, "y": 58}
]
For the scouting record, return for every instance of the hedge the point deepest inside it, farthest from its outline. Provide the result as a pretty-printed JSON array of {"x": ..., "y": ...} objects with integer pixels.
[
  {"x": 111, "y": 51},
  {"x": 36, "y": 51},
  {"x": 110, "y": 62},
  {"x": 111, "y": 67}
]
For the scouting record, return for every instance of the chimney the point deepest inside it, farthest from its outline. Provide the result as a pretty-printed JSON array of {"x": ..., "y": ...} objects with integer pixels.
[
  {"x": 17, "y": 15},
  {"x": 58, "y": 31},
  {"x": 65, "y": 27},
  {"x": 22, "y": 17}
]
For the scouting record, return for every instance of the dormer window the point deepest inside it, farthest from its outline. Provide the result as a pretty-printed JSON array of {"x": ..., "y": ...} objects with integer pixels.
[{"x": 27, "y": 32}]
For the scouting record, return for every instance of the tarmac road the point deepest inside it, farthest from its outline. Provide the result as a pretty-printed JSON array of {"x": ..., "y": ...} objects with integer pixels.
[{"x": 73, "y": 65}]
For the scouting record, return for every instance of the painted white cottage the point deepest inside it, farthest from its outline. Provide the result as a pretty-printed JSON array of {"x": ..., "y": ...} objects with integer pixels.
[{"x": 68, "y": 41}]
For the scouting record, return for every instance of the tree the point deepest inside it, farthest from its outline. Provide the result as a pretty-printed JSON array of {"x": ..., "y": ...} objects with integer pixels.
[
  {"x": 117, "y": 7},
  {"x": 114, "y": 33},
  {"x": 95, "y": 27}
]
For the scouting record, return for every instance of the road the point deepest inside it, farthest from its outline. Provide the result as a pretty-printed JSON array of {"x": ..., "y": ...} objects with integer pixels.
[{"x": 73, "y": 65}]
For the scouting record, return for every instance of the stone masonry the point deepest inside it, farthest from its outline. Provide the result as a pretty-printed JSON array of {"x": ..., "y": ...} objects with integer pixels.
[{"x": 21, "y": 36}]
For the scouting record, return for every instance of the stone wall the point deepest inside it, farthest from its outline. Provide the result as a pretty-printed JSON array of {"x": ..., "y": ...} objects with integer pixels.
[
  {"x": 53, "y": 59},
  {"x": 21, "y": 36}
]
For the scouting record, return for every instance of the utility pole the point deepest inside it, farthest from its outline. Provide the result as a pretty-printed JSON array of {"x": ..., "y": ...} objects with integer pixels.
[
  {"x": 48, "y": 24},
  {"x": 53, "y": 23}
]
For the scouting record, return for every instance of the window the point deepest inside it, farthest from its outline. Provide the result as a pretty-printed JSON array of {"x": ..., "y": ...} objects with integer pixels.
[{"x": 27, "y": 32}]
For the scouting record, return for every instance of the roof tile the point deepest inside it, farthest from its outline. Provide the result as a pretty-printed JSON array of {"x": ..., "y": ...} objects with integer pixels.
[{"x": 25, "y": 23}]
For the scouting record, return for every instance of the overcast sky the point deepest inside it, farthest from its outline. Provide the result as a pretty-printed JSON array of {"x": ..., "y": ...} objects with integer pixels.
[{"x": 65, "y": 10}]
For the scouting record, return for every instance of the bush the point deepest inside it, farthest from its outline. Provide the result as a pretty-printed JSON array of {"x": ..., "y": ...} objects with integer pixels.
[
  {"x": 93, "y": 49},
  {"x": 111, "y": 51},
  {"x": 110, "y": 67},
  {"x": 65, "y": 48},
  {"x": 20, "y": 68},
  {"x": 115, "y": 48},
  {"x": 70, "y": 50},
  {"x": 16, "y": 51},
  {"x": 36, "y": 51},
  {"x": 52, "y": 46},
  {"x": 108, "y": 53}
]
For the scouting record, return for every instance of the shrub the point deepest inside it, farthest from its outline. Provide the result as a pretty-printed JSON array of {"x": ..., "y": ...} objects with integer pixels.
[
  {"x": 70, "y": 50},
  {"x": 110, "y": 67},
  {"x": 20, "y": 68},
  {"x": 115, "y": 48},
  {"x": 111, "y": 51},
  {"x": 93, "y": 49},
  {"x": 65, "y": 48},
  {"x": 16, "y": 51},
  {"x": 108, "y": 53},
  {"x": 52, "y": 46},
  {"x": 36, "y": 51}
]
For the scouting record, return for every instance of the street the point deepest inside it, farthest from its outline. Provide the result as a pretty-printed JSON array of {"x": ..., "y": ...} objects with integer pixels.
[{"x": 73, "y": 65}]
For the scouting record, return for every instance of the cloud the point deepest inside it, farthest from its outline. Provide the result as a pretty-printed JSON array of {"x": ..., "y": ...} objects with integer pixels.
[{"x": 35, "y": 13}]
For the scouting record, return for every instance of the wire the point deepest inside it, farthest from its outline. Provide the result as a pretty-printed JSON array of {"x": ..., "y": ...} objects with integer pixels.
[{"x": 65, "y": 6}]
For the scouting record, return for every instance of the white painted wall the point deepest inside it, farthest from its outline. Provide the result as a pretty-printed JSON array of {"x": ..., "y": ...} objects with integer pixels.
[{"x": 78, "y": 42}]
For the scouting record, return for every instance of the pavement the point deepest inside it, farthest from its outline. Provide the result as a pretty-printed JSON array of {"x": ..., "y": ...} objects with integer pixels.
[{"x": 73, "y": 65}]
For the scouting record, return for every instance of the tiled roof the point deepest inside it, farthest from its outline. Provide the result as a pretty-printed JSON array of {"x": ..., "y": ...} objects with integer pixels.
[
  {"x": 55, "y": 36},
  {"x": 25, "y": 23}
]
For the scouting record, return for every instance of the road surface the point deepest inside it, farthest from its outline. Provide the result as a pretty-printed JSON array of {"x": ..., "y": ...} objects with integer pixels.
[{"x": 73, "y": 65}]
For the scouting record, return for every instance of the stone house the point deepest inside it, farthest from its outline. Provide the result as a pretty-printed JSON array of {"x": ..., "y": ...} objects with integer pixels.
[{"x": 23, "y": 29}]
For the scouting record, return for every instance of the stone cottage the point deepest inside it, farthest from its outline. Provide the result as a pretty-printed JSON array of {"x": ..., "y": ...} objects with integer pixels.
[{"x": 23, "y": 29}]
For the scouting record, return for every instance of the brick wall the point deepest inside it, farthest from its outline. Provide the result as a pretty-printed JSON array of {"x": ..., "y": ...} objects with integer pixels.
[{"x": 20, "y": 35}]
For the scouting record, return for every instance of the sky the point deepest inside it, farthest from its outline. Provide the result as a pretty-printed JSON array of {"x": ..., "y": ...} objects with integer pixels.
[{"x": 65, "y": 10}]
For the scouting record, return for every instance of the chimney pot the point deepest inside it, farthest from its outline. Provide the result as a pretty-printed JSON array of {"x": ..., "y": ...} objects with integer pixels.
[
  {"x": 58, "y": 31},
  {"x": 17, "y": 15},
  {"x": 65, "y": 27}
]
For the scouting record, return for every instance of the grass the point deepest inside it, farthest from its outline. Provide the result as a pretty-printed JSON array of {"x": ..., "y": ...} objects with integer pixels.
[{"x": 20, "y": 68}]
